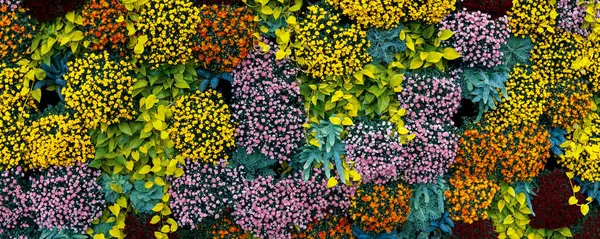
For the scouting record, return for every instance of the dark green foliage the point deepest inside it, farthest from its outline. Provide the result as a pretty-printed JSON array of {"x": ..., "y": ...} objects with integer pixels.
[
  {"x": 54, "y": 73},
  {"x": 212, "y": 80},
  {"x": 143, "y": 199},
  {"x": 384, "y": 44},
  {"x": 516, "y": 50},
  {"x": 483, "y": 87},
  {"x": 426, "y": 206},
  {"x": 255, "y": 164},
  {"x": 61, "y": 234}
]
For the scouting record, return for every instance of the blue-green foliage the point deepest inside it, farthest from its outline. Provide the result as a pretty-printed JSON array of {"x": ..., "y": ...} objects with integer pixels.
[
  {"x": 103, "y": 228},
  {"x": 527, "y": 189},
  {"x": 61, "y": 234},
  {"x": 143, "y": 199},
  {"x": 54, "y": 73},
  {"x": 442, "y": 225},
  {"x": 589, "y": 188},
  {"x": 117, "y": 179},
  {"x": 360, "y": 234},
  {"x": 212, "y": 79},
  {"x": 255, "y": 164},
  {"x": 331, "y": 147},
  {"x": 516, "y": 50},
  {"x": 557, "y": 137},
  {"x": 384, "y": 44},
  {"x": 426, "y": 206},
  {"x": 483, "y": 87}
]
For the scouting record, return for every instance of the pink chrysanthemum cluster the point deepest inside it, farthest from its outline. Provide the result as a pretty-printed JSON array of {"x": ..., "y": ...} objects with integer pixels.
[
  {"x": 204, "y": 191},
  {"x": 67, "y": 198},
  {"x": 477, "y": 37},
  {"x": 14, "y": 207},
  {"x": 271, "y": 208},
  {"x": 431, "y": 101},
  {"x": 267, "y": 105},
  {"x": 12, "y": 4},
  {"x": 375, "y": 148},
  {"x": 570, "y": 17}
]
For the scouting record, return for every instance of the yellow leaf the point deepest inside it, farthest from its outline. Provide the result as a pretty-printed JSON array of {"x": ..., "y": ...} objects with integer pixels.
[
  {"x": 145, "y": 169},
  {"x": 416, "y": 63},
  {"x": 570, "y": 175},
  {"x": 521, "y": 198},
  {"x": 165, "y": 229},
  {"x": 159, "y": 235},
  {"x": 159, "y": 181},
  {"x": 573, "y": 200},
  {"x": 450, "y": 53},
  {"x": 584, "y": 209},
  {"x": 291, "y": 20},
  {"x": 266, "y": 10},
  {"x": 501, "y": 204},
  {"x": 511, "y": 191},
  {"x": 347, "y": 121},
  {"x": 315, "y": 142},
  {"x": 434, "y": 57},
  {"x": 36, "y": 94},
  {"x": 115, "y": 209},
  {"x": 159, "y": 206},
  {"x": 148, "y": 184},
  {"x": 77, "y": 36},
  {"x": 508, "y": 220},
  {"x": 445, "y": 35},
  {"x": 576, "y": 188},
  {"x": 99, "y": 236},
  {"x": 410, "y": 44},
  {"x": 155, "y": 219},
  {"x": 403, "y": 130},
  {"x": 335, "y": 120},
  {"x": 332, "y": 182},
  {"x": 122, "y": 201}
]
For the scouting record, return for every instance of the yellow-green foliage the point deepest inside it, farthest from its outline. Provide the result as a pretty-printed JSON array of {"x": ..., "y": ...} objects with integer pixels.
[
  {"x": 202, "y": 128},
  {"x": 60, "y": 34},
  {"x": 424, "y": 48},
  {"x": 510, "y": 216},
  {"x": 530, "y": 17},
  {"x": 329, "y": 50},
  {"x": 99, "y": 89},
  {"x": 57, "y": 140},
  {"x": 582, "y": 148},
  {"x": 166, "y": 27}
]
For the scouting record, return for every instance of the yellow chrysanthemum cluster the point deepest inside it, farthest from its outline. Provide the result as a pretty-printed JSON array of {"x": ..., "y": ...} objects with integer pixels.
[
  {"x": 169, "y": 26},
  {"x": 14, "y": 109},
  {"x": 329, "y": 50},
  {"x": 57, "y": 140},
  {"x": 527, "y": 94},
  {"x": 372, "y": 13},
  {"x": 582, "y": 148},
  {"x": 428, "y": 11},
  {"x": 552, "y": 58},
  {"x": 529, "y": 17},
  {"x": 99, "y": 89},
  {"x": 202, "y": 128}
]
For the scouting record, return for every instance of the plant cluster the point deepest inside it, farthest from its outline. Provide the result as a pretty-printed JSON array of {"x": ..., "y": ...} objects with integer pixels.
[
  {"x": 428, "y": 11},
  {"x": 45, "y": 11},
  {"x": 495, "y": 8},
  {"x": 267, "y": 106},
  {"x": 482, "y": 229},
  {"x": 551, "y": 205},
  {"x": 424, "y": 47},
  {"x": 103, "y": 23},
  {"x": 270, "y": 208},
  {"x": 582, "y": 148},
  {"x": 469, "y": 197},
  {"x": 12, "y": 4},
  {"x": 202, "y": 128},
  {"x": 571, "y": 16},
  {"x": 431, "y": 101},
  {"x": 477, "y": 38},
  {"x": 329, "y": 50},
  {"x": 484, "y": 87},
  {"x": 427, "y": 212},
  {"x": 204, "y": 192},
  {"x": 100, "y": 89},
  {"x": 145, "y": 195},
  {"x": 224, "y": 37},
  {"x": 66, "y": 198},
  {"x": 380, "y": 208},
  {"x": 17, "y": 30},
  {"x": 384, "y": 44},
  {"x": 14, "y": 205},
  {"x": 385, "y": 14},
  {"x": 375, "y": 148},
  {"x": 168, "y": 26},
  {"x": 333, "y": 226},
  {"x": 522, "y": 22}
]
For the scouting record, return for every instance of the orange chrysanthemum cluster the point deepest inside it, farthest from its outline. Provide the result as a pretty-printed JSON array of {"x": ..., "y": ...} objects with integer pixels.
[
  {"x": 227, "y": 229},
  {"x": 469, "y": 198},
  {"x": 379, "y": 208},
  {"x": 103, "y": 21},
  {"x": 332, "y": 227},
  {"x": 16, "y": 32},
  {"x": 517, "y": 154},
  {"x": 225, "y": 37}
]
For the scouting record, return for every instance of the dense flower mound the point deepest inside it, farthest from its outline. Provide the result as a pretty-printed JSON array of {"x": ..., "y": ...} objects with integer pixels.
[
  {"x": 57, "y": 140},
  {"x": 14, "y": 205},
  {"x": 169, "y": 26},
  {"x": 267, "y": 106},
  {"x": 333, "y": 226},
  {"x": 66, "y": 198},
  {"x": 429, "y": 11},
  {"x": 469, "y": 197},
  {"x": 431, "y": 102},
  {"x": 271, "y": 208},
  {"x": 204, "y": 192},
  {"x": 571, "y": 16},
  {"x": 202, "y": 128},
  {"x": 380, "y": 208},
  {"x": 477, "y": 37},
  {"x": 103, "y": 21},
  {"x": 225, "y": 36},
  {"x": 530, "y": 17},
  {"x": 16, "y": 32},
  {"x": 551, "y": 205},
  {"x": 375, "y": 148},
  {"x": 99, "y": 89},
  {"x": 377, "y": 13}
]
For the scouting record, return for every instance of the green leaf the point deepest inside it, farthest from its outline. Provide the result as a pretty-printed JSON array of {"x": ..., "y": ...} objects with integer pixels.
[
  {"x": 565, "y": 231},
  {"x": 124, "y": 127},
  {"x": 445, "y": 35},
  {"x": 95, "y": 163},
  {"x": 450, "y": 53}
]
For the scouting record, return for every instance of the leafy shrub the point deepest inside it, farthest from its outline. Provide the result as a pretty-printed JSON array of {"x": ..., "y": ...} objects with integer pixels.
[
  {"x": 552, "y": 202},
  {"x": 218, "y": 185},
  {"x": 207, "y": 142},
  {"x": 114, "y": 185},
  {"x": 59, "y": 35},
  {"x": 426, "y": 207},
  {"x": 224, "y": 37},
  {"x": 424, "y": 47},
  {"x": 66, "y": 198},
  {"x": 380, "y": 208},
  {"x": 17, "y": 29},
  {"x": 276, "y": 15},
  {"x": 253, "y": 164},
  {"x": 143, "y": 198},
  {"x": 485, "y": 87},
  {"x": 267, "y": 106},
  {"x": 44, "y": 11},
  {"x": 384, "y": 44},
  {"x": 582, "y": 162},
  {"x": 477, "y": 38}
]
